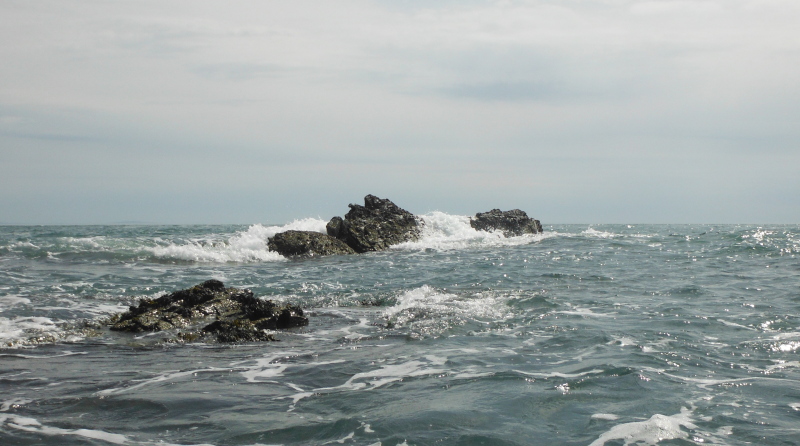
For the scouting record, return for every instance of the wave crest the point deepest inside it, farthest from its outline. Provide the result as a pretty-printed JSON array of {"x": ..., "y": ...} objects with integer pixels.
[
  {"x": 443, "y": 232},
  {"x": 242, "y": 247}
]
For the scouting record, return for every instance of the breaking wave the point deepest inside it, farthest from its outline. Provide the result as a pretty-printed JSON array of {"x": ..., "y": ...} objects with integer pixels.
[{"x": 245, "y": 246}]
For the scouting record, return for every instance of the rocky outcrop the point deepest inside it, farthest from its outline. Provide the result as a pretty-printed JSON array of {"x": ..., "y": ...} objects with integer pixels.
[
  {"x": 512, "y": 223},
  {"x": 375, "y": 226},
  {"x": 380, "y": 224},
  {"x": 210, "y": 310},
  {"x": 307, "y": 244}
]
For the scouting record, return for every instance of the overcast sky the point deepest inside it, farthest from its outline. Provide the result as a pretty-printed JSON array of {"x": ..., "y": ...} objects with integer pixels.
[{"x": 607, "y": 111}]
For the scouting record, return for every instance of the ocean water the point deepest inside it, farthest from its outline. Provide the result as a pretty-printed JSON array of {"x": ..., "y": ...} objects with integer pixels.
[{"x": 582, "y": 335}]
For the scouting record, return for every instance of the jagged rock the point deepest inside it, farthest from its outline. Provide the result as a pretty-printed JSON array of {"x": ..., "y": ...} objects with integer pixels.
[
  {"x": 375, "y": 226},
  {"x": 512, "y": 223},
  {"x": 238, "y": 315},
  {"x": 307, "y": 244}
]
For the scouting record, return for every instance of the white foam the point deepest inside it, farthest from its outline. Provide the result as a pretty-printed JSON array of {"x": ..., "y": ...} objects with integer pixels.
[
  {"x": 560, "y": 375},
  {"x": 657, "y": 428},
  {"x": 266, "y": 367},
  {"x": 20, "y": 355},
  {"x": 31, "y": 425},
  {"x": 390, "y": 373},
  {"x": 780, "y": 366},
  {"x": 599, "y": 234},
  {"x": 786, "y": 347},
  {"x": 734, "y": 324},
  {"x": 160, "y": 378},
  {"x": 11, "y": 300},
  {"x": 430, "y": 310},
  {"x": 343, "y": 439},
  {"x": 374, "y": 379},
  {"x": 605, "y": 416},
  {"x": 94, "y": 243},
  {"x": 584, "y": 312},
  {"x": 246, "y": 246},
  {"x": 624, "y": 341},
  {"x": 19, "y": 329},
  {"x": 471, "y": 372},
  {"x": 443, "y": 232}
]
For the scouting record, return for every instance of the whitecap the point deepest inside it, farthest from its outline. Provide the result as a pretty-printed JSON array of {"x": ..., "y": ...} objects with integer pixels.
[
  {"x": 599, "y": 234},
  {"x": 657, "y": 428},
  {"x": 374, "y": 379},
  {"x": 443, "y": 232},
  {"x": 168, "y": 376},
  {"x": 431, "y": 311},
  {"x": 32, "y": 425},
  {"x": 560, "y": 375},
  {"x": 11, "y": 300},
  {"x": 19, "y": 330},
  {"x": 605, "y": 416},
  {"x": 245, "y": 246}
]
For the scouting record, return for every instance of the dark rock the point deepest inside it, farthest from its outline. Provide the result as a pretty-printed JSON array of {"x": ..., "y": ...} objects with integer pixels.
[
  {"x": 307, "y": 244},
  {"x": 238, "y": 315},
  {"x": 334, "y": 227},
  {"x": 375, "y": 226},
  {"x": 237, "y": 330},
  {"x": 512, "y": 223}
]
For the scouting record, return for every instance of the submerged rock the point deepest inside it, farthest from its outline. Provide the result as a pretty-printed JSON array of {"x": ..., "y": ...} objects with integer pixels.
[
  {"x": 307, "y": 244},
  {"x": 238, "y": 316},
  {"x": 512, "y": 223},
  {"x": 375, "y": 226}
]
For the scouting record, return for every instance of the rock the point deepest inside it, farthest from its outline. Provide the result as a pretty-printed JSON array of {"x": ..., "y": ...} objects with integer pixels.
[
  {"x": 238, "y": 315},
  {"x": 334, "y": 227},
  {"x": 375, "y": 226},
  {"x": 512, "y": 223},
  {"x": 307, "y": 244}
]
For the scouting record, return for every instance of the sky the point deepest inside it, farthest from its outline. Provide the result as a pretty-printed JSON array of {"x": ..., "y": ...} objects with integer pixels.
[{"x": 575, "y": 111}]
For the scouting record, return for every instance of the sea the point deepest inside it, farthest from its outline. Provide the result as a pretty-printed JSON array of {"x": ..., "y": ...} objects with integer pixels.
[{"x": 587, "y": 335}]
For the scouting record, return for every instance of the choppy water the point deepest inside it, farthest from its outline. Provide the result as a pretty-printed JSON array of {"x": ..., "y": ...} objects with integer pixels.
[{"x": 585, "y": 335}]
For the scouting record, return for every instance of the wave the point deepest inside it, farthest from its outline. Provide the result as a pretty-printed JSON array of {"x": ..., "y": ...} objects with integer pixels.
[
  {"x": 651, "y": 432},
  {"x": 444, "y": 232},
  {"x": 245, "y": 246},
  {"x": 22, "y": 331},
  {"x": 428, "y": 311},
  {"x": 440, "y": 232}
]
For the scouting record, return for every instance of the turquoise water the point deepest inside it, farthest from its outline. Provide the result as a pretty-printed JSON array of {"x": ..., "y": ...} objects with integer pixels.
[{"x": 583, "y": 335}]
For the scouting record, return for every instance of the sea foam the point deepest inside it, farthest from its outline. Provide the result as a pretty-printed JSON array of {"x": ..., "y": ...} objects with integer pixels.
[
  {"x": 242, "y": 247},
  {"x": 657, "y": 428},
  {"x": 444, "y": 232},
  {"x": 430, "y": 311}
]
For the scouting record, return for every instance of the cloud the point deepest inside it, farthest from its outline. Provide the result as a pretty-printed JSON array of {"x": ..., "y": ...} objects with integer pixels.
[{"x": 556, "y": 96}]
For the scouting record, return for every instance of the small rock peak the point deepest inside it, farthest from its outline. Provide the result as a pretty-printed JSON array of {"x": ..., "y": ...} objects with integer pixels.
[
  {"x": 334, "y": 227},
  {"x": 375, "y": 226},
  {"x": 213, "y": 285},
  {"x": 372, "y": 202},
  {"x": 513, "y": 223}
]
